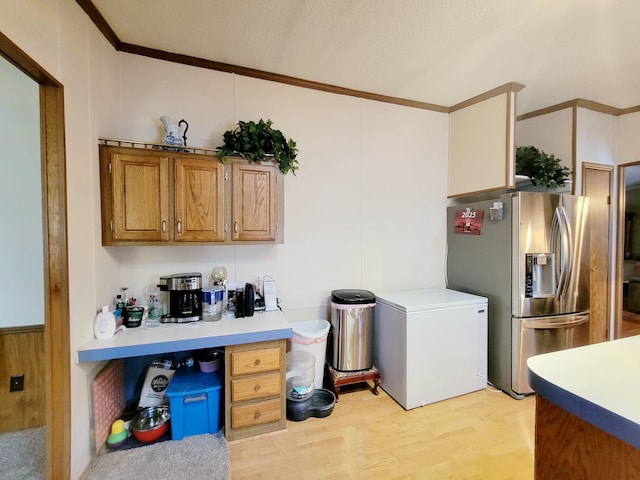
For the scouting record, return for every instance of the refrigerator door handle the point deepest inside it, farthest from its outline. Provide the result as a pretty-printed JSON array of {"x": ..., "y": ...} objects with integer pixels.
[
  {"x": 540, "y": 324},
  {"x": 561, "y": 233}
]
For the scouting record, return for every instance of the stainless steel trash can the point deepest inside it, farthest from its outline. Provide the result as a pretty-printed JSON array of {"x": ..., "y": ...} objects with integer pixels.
[{"x": 352, "y": 329}]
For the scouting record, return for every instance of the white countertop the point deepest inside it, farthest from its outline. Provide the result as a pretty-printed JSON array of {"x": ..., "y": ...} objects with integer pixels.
[
  {"x": 599, "y": 383},
  {"x": 173, "y": 337}
]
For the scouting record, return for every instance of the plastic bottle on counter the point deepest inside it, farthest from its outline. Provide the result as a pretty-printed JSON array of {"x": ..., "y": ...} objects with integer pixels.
[
  {"x": 154, "y": 301},
  {"x": 120, "y": 302},
  {"x": 105, "y": 324}
]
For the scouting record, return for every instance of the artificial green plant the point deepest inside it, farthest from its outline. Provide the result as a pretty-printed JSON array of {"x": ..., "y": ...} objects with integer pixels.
[
  {"x": 259, "y": 141},
  {"x": 543, "y": 169}
]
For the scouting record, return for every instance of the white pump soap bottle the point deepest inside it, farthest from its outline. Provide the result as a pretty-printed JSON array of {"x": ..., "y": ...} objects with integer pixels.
[{"x": 105, "y": 324}]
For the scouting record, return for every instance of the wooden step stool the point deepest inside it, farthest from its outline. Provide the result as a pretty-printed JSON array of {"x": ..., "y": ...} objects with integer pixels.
[{"x": 339, "y": 379}]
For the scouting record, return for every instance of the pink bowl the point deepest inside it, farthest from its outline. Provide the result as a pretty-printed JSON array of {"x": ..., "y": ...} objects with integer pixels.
[{"x": 211, "y": 361}]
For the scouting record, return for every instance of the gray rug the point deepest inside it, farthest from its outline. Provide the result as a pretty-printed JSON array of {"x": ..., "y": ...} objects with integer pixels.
[
  {"x": 22, "y": 455},
  {"x": 195, "y": 457}
]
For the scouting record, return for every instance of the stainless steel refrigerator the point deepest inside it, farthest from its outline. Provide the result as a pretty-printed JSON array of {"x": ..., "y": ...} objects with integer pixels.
[{"x": 528, "y": 253}]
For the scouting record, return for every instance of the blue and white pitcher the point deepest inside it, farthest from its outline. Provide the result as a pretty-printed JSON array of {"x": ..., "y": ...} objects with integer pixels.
[{"x": 172, "y": 132}]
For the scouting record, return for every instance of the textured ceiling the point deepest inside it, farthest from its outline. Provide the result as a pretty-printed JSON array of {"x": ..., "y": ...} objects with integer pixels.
[{"x": 435, "y": 51}]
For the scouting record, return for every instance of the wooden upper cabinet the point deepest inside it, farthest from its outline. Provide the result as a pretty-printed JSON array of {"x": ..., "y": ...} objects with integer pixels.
[
  {"x": 254, "y": 202},
  {"x": 156, "y": 197},
  {"x": 135, "y": 197},
  {"x": 199, "y": 200}
]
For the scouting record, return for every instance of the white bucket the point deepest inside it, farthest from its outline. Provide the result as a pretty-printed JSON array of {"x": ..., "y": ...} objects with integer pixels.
[
  {"x": 300, "y": 374},
  {"x": 311, "y": 336}
]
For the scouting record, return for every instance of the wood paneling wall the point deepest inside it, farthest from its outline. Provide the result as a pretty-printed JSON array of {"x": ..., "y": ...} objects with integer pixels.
[{"x": 22, "y": 352}]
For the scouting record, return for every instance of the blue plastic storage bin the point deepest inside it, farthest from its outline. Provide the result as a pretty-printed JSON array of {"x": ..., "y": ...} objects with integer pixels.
[{"x": 194, "y": 402}]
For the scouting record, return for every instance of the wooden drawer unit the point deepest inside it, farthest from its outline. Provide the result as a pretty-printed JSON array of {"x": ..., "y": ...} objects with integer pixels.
[{"x": 255, "y": 400}]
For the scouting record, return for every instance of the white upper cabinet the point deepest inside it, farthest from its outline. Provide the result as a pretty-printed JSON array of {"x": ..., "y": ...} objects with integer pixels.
[{"x": 482, "y": 142}]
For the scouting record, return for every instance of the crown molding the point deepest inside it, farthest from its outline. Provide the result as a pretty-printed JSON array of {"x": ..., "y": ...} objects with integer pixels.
[
  {"x": 580, "y": 103},
  {"x": 99, "y": 21},
  {"x": 273, "y": 77},
  {"x": 506, "y": 88}
]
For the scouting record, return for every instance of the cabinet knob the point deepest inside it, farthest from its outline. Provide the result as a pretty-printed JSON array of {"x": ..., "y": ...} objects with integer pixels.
[
  {"x": 257, "y": 362},
  {"x": 235, "y": 226},
  {"x": 257, "y": 388},
  {"x": 164, "y": 226},
  {"x": 256, "y": 415},
  {"x": 179, "y": 226}
]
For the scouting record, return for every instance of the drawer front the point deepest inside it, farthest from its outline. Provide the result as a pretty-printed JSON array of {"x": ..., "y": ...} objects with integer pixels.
[
  {"x": 255, "y": 361},
  {"x": 255, "y": 387},
  {"x": 258, "y": 413}
]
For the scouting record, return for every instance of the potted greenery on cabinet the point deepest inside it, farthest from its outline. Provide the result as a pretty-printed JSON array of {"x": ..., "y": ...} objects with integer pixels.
[
  {"x": 259, "y": 141},
  {"x": 543, "y": 170}
]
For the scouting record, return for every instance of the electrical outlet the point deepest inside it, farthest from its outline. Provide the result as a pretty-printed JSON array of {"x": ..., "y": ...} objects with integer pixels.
[{"x": 16, "y": 383}]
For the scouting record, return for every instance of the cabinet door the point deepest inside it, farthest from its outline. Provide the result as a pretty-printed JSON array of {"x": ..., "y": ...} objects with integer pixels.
[
  {"x": 482, "y": 142},
  {"x": 140, "y": 197},
  {"x": 254, "y": 198},
  {"x": 199, "y": 185}
]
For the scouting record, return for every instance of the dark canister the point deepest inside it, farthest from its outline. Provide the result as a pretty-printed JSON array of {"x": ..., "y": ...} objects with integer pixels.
[{"x": 133, "y": 316}]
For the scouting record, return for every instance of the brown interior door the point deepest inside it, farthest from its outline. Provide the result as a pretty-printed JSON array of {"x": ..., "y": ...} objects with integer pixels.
[{"x": 597, "y": 185}]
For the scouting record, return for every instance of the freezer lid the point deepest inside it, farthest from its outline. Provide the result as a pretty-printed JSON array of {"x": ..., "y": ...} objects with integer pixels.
[{"x": 428, "y": 299}]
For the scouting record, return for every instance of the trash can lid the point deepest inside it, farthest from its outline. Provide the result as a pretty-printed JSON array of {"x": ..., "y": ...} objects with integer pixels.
[{"x": 352, "y": 297}]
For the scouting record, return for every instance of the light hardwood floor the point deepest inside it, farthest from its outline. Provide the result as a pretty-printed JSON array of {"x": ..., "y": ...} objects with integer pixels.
[
  {"x": 630, "y": 324},
  {"x": 481, "y": 435}
]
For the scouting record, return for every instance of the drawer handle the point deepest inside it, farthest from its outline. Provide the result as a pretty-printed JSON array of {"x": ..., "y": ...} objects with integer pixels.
[
  {"x": 256, "y": 415},
  {"x": 257, "y": 362},
  {"x": 257, "y": 388}
]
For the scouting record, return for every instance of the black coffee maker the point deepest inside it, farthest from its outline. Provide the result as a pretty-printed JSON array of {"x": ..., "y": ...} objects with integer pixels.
[{"x": 183, "y": 297}]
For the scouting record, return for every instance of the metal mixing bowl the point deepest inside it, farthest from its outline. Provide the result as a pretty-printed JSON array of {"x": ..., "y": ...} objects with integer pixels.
[{"x": 151, "y": 423}]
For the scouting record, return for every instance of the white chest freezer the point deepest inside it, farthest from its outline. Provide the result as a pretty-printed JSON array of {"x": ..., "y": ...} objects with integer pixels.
[{"x": 430, "y": 344}]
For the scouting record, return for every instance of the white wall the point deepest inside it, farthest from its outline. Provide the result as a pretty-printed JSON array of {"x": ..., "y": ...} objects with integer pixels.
[
  {"x": 21, "y": 245},
  {"x": 362, "y": 212},
  {"x": 551, "y": 132},
  {"x": 595, "y": 140},
  {"x": 628, "y": 138},
  {"x": 366, "y": 209}
]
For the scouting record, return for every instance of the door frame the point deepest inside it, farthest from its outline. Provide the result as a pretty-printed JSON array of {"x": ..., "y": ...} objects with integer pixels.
[
  {"x": 622, "y": 203},
  {"x": 56, "y": 269},
  {"x": 610, "y": 170}
]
